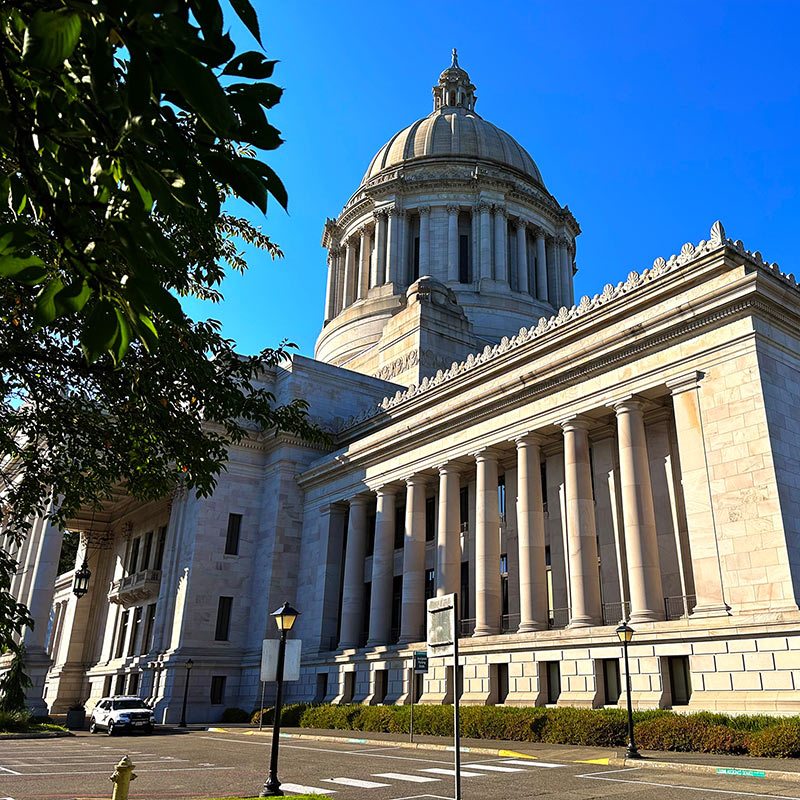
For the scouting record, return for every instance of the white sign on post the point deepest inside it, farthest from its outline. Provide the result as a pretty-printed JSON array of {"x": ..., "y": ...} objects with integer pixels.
[{"x": 269, "y": 660}]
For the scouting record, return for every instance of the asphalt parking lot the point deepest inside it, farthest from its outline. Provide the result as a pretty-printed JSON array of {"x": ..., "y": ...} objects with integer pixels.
[{"x": 197, "y": 764}]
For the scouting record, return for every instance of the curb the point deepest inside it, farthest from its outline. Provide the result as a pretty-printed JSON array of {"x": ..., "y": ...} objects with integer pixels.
[
  {"x": 36, "y": 735},
  {"x": 707, "y": 769}
]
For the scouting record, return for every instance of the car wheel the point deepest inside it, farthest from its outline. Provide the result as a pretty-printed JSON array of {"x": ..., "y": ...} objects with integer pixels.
[
  {"x": 148, "y": 729},
  {"x": 92, "y": 726},
  {"x": 110, "y": 729}
]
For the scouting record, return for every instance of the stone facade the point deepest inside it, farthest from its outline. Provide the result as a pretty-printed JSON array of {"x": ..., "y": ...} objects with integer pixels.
[{"x": 632, "y": 456}]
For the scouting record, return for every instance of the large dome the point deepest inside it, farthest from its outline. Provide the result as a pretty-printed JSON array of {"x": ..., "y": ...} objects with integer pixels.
[{"x": 454, "y": 131}]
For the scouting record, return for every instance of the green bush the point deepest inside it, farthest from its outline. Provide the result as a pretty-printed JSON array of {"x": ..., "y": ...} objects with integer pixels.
[
  {"x": 779, "y": 741},
  {"x": 14, "y": 721},
  {"x": 235, "y": 715},
  {"x": 290, "y": 715},
  {"x": 690, "y": 734}
]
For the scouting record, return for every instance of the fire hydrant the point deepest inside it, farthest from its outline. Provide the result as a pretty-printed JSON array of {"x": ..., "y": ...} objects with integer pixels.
[{"x": 122, "y": 777}]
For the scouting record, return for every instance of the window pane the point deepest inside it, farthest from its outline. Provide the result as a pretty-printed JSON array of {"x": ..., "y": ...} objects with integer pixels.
[
  {"x": 223, "y": 619},
  {"x": 232, "y": 538},
  {"x": 430, "y": 519},
  {"x": 162, "y": 538}
]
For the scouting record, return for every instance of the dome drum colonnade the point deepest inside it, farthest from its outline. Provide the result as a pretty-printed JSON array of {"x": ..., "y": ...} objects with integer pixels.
[{"x": 639, "y": 524}]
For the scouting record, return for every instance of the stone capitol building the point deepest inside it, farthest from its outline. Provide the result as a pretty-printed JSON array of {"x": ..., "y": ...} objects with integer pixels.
[{"x": 561, "y": 464}]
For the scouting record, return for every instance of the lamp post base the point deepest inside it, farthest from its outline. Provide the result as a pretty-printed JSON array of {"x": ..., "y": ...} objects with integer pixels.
[
  {"x": 272, "y": 788},
  {"x": 632, "y": 752}
]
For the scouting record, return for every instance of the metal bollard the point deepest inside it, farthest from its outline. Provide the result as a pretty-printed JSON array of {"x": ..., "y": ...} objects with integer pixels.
[{"x": 122, "y": 777}]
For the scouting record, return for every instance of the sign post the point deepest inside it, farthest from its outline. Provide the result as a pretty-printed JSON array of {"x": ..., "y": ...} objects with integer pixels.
[
  {"x": 442, "y": 632},
  {"x": 420, "y": 667}
]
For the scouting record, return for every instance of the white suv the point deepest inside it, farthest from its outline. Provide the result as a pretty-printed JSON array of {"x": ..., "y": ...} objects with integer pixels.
[{"x": 117, "y": 714}]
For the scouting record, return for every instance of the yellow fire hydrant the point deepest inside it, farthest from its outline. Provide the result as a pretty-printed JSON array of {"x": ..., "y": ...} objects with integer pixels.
[{"x": 122, "y": 777}]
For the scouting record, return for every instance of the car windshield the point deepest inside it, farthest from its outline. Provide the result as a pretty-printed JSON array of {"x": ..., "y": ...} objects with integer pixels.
[{"x": 128, "y": 704}]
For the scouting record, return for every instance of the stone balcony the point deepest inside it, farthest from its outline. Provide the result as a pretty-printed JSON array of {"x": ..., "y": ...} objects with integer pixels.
[{"x": 135, "y": 588}]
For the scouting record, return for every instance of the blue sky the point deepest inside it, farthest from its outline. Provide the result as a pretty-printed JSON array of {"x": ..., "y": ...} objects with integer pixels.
[{"x": 649, "y": 120}]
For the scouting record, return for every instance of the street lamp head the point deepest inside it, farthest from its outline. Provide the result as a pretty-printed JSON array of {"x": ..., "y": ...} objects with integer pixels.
[
  {"x": 80, "y": 584},
  {"x": 189, "y": 663},
  {"x": 285, "y": 617},
  {"x": 625, "y": 633}
]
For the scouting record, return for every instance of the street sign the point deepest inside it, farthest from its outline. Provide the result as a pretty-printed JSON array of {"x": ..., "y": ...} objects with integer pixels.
[
  {"x": 441, "y": 625},
  {"x": 269, "y": 660},
  {"x": 420, "y": 662}
]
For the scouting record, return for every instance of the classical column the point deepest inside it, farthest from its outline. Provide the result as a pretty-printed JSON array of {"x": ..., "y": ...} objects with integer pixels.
[
  {"x": 378, "y": 277},
  {"x": 363, "y": 264},
  {"x": 452, "y": 244},
  {"x": 448, "y": 538},
  {"x": 488, "y": 589},
  {"x": 533, "y": 607},
  {"x": 349, "y": 274},
  {"x": 424, "y": 240},
  {"x": 380, "y": 610},
  {"x": 336, "y": 286},
  {"x": 330, "y": 312},
  {"x": 42, "y": 564},
  {"x": 353, "y": 588},
  {"x": 412, "y": 621},
  {"x": 500, "y": 245},
  {"x": 566, "y": 271},
  {"x": 638, "y": 514},
  {"x": 541, "y": 267},
  {"x": 522, "y": 256},
  {"x": 695, "y": 479},
  {"x": 553, "y": 261},
  {"x": 584, "y": 576},
  {"x": 485, "y": 267}
]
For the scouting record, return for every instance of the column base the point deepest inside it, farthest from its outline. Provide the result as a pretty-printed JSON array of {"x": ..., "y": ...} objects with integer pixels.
[
  {"x": 406, "y": 640},
  {"x": 376, "y": 643},
  {"x": 716, "y": 610},
  {"x": 486, "y": 631},
  {"x": 583, "y": 622},
  {"x": 647, "y": 616},
  {"x": 531, "y": 627}
]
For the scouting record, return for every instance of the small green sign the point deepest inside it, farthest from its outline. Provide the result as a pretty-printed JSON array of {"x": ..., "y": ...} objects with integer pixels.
[{"x": 753, "y": 773}]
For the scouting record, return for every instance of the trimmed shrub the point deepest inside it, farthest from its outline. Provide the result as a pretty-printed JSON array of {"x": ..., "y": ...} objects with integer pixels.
[
  {"x": 779, "y": 741},
  {"x": 235, "y": 715},
  {"x": 690, "y": 734},
  {"x": 584, "y": 726},
  {"x": 290, "y": 715}
]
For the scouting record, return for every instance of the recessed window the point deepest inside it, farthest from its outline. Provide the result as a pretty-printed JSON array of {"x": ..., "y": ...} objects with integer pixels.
[
  {"x": 611, "y": 681},
  {"x": 133, "y": 684},
  {"x": 370, "y": 534},
  {"x": 134, "y": 555},
  {"x": 399, "y": 526},
  {"x": 397, "y": 606},
  {"x": 162, "y": 539},
  {"x": 463, "y": 259},
  {"x": 502, "y": 682},
  {"x": 430, "y": 519},
  {"x": 464, "y": 590},
  {"x": 137, "y": 622},
  {"x": 504, "y": 582},
  {"x": 217, "y": 690},
  {"x": 322, "y": 687},
  {"x": 147, "y": 638},
  {"x": 107, "y": 685},
  {"x": 123, "y": 631},
  {"x": 680, "y": 680},
  {"x": 501, "y": 496},
  {"x": 120, "y": 687},
  {"x": 223, "y": 619},
  {"x": 232, "y": 537},
  {"x": 553, "y": 682},
  {"x": 544, "y": 486},
  {"x": 430, "y": 583},
  {"x": 463, "y": 506},
  {"x": 148, "y": 550},
  {"x": 381, "y": 685}
]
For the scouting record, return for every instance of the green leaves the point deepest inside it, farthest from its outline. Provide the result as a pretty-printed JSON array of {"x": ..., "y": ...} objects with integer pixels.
[
  {"x": 247, "y": 15},
  {"x": 50, "y": 37},
  {"x": 28, "y": 270},
  {"x": 250, "y": 65}
]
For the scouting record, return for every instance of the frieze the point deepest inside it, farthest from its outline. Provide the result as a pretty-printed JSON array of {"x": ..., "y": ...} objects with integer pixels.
[{"x": 586, "y": 305}]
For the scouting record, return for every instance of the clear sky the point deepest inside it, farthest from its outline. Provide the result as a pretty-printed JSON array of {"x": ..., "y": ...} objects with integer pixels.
[{"x": 650, "y": 120}]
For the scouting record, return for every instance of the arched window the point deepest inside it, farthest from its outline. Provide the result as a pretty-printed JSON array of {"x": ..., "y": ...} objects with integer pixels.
[{"x": 452, "y": 98}]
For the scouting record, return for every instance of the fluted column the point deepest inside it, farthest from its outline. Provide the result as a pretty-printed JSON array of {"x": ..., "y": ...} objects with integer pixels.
[
  {"x": 500, "y": 245},
  {"x": 380, "y": 606},
  {"x": 700, "y": 521},
  {"x": 554, "y": 274},
  {"x": 42, "y": 564},
  {"x": 412, "y": 621},
  {"x": 363, "y": 264},
  {"x": 378, "y": 277},
  {"x": 448, "y": 538},
  {"x": 330, "y": 313},
  {"x": 533, "y": 606},
  {"x": 488, "y": 591},
  {"x": 541, "y": 267},
  {"x": 424, "y": 240},
  {"x": 485, "y": 267},
  {"x": 452, "y": 243},
  {"x": 338, "y": 280},
  {"x": 522, "y": 256},
  {"x": 350, "y": 270},
  {"x": 584, "y": 575},
  {"x": 638, "y": 514},
  {"x": 392, "y": 262},
  {"x": 566, "y": 271},
  {"x": 353, "y": 584}
]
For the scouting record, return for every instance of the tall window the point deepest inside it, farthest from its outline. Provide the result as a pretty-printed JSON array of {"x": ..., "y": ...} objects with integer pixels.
[
  {"x": 430, "y": 519},
  {"x": 232, "y": 537},
  {"x": 137, "y": 623},
  {"x": 680, "y": 680},
  {"x": 501, "y": 496},
  {"x": 123, "y": 632},
  {"x": 397, "y": 606},
  {"x": 223, "y": 619},
  {"x": 464, "y": 590},
  {"x": 463, "y": 259},
  {"x": 553, "y": 681},
  {"x": 217, "y": 690},
  {"x": 133, "y": 557},
  {"x": 504, "y": 582},
  {"x": 430, "y": 583},
  {"x": 162, "y": 539},
  {"x": 611, "y": 681},
  {"x": 149, "y": 625},
  {"x": 399, "y": 526},
  {"x": 133, "y": 684},
  {"x": 544, "y": 486},
  {"x": 370, "y": 534},
  {"x": 415, "y": 260},
  {"x": 148, "y": 550},
  {"x": 463, "y": 507}
]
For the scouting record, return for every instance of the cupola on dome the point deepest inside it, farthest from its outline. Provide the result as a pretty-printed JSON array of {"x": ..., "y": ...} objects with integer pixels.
[{"x": 454, "y": 130}]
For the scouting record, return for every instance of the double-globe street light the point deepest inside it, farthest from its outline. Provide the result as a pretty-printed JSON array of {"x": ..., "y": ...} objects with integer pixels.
[
  {"x": 625, "y": 634},
  {"x": 284, "y": 618}
]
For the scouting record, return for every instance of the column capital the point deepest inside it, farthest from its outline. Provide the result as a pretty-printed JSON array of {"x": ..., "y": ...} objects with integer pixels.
[
  {"x": 576, "y": 423},
  {"x": 520, "y": 223},
  {"x": 483, "y": 205},
  {"x": 539, "y": 232},
  {"x": 379, "y": 214},
  {"x": 488, "y": 453},
  {"x": 529, "y": 438},
  {"x": 628, "y": 403},
  {"x": 360, "y": 500},
  {"x": 452, "y": 209},
  {"x": 362, "y": 232},
  {"x": 500, "y": 211},
  {"x": 386, "y": 490},
  {"x": 683, "y": 383},
  {"x": 334, "y": 251},
  {"x": 424, "y": 210},
  {"x": 417, "y": 479},
  {"x": 449, "y": 467}
]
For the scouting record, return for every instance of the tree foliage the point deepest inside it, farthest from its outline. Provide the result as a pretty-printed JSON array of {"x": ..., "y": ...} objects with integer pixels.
[{"x": 124, "y": 127}]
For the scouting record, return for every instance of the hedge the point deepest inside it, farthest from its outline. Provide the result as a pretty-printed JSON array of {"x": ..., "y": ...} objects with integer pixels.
[{"x": 756, "y": 735}]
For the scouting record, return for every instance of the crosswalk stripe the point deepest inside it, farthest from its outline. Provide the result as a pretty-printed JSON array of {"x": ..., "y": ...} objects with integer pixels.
[
  {"x": 493, "y": 768},
  {"x": 464, "y": 773},
  {"x": 533, "y": 763},
  {"x": 298, "y": 788},
  {"x": 400, "y": 776},
  {"x": 354, "y": 782}
]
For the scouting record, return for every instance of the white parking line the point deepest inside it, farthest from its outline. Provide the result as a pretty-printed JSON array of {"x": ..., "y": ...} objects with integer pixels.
[
  {"x": 105, "y": 772},
  {"x": 401, "y": 776},
  {"x": 493, "y": 768},
  {"x": 464, "y": 773},
  {"x": 600, "y": 776},
  {"x": 354, "y": 782},
  {"x": 532, "y": 763},
  {"x": 298, "y": 788},
  {"x": 10, "y": 771}
]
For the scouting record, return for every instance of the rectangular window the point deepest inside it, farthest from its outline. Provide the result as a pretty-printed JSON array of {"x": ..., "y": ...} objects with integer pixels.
[
  {"x": 463, "y": 506},
  {"x": 680, "y": 680},
  {"x": 430, "y": 583},
  {"x": 399, "y": 526},
  {"x": 137, "y": 623},
  {"x": 544, "y": 486},
  {"x": 553, "y": 682},
  {"x": 217, "y": 690},
  {"x": 419, "y": 685},
  {"x": 611, "y": 681},
  {"x": 504, "y": 583},
  {"x": 397, "y": 606},
  {"x": 107, "y": 685},
  {"x": 150, "y": 621},
  {"x": 365, "y": 607},
  {"x": 133, "y": 684},
  {"x": 501, "y": 496},
  {"x": 232, "y": 537},
  {"x": 133, "y": 557},
  {"x": 123, "y": 631},
  {"x": 370, "y": 534},
  {"x": 120, "y": 687},
  {"x": 502, "y": 682},
  {"x": 162, "y": 539},
  {"x": 148, "y": 550},
  {"x": 223, "y": 619},
  {"x": 415, "y": 261},
  {"x": 464, "y": 590},
  {"x": 322, "y": 687},
  {"x": 463, "y": 258},
  {"x": 381, "y": 685},
  {"x": 349, "y": 688},
  {"x": 430, "y": 519}
]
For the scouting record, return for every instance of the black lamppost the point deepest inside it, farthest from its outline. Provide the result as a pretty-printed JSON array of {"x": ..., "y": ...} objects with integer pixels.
[
  {"x": 80, "y": 582},
  {"x": 189, "y": 665},
  {"x": 625, "y": 633},
  {"x": 284, "y": 618}
]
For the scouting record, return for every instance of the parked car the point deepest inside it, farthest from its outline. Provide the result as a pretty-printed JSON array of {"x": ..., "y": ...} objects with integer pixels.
[{"x": 121, "y": 714}]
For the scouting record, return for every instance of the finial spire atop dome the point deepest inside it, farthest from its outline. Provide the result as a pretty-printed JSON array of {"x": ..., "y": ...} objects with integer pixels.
[{"x": 454, "y": 89}]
